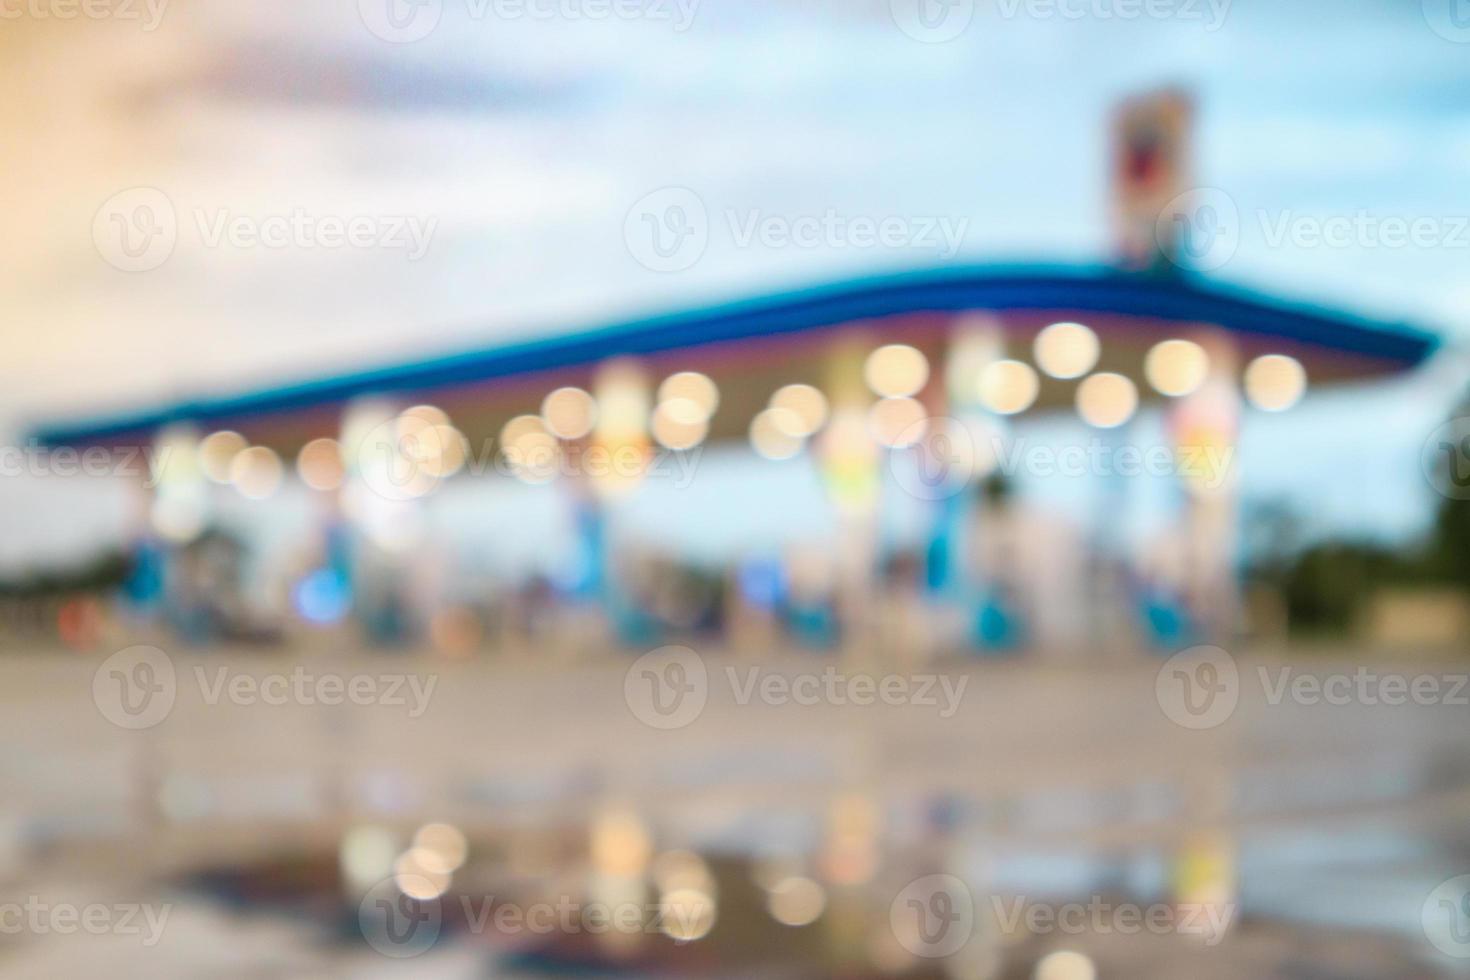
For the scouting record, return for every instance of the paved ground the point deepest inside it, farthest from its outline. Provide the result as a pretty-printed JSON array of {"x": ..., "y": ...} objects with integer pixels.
[{"x": 1339, "y": 817}]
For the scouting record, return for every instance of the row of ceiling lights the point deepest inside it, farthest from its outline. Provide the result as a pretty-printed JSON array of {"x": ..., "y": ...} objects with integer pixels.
[{"x": 686, "y": 401}]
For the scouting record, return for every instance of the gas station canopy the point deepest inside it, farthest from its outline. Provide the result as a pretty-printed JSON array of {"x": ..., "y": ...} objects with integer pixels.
[{"x": 753, "y": 346}]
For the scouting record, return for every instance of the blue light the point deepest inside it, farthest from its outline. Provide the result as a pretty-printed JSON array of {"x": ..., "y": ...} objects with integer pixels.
[{"x": 322, "y": 597}]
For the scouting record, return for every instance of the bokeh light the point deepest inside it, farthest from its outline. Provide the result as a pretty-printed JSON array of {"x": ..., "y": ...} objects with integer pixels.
[
  {"x": 796, "y": 901},
  {"x": 807, "y": 407},
  {"x": 319, "y": 464},
  {"x": 896, "y": 371},
  {"x": 675, "y": 427},
  {"x": 770, "y": 434},
  {"x": 1065, "y": 965},
  {"x": 218, "y": 451},
  {"x": 569, "y": 413},
  {"x": 1008, "y": 387},
  {"x": 256, "y": 472},
  {"x": 1107, "y": 400},
  {"x": 1067, "y": 350},
  {"x": 897, "y": 422},
  {"x": 1275, "y": 382},
  {"x": 696, "y": 390},
  {"x": 1176, "y": 367}
]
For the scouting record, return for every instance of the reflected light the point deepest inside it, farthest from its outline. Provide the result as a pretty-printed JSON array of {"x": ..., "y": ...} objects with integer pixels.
[
  {"x": 770, "y": 434},
  {"x": 319, "y": 464},
  {"x": 518, "y": 427},
  {"x": 1065, "y": 965},
  {"x": 1107, "y": 400},
  {"x": 412, "y": 421},
  {"x": 620, "y": 844},
  {"x": 695, "y": 388},
  {"x": 1066, "y": 350},
  {"x": 440, "y": 450},
  {"x": 897, "y": 422},
  {"x": 796, "y": 901},
  {"x": 531, "y": 451},
  {"x": 217, "y": 451},
  {"x": 178, "y": 517},
  {"x": 675, "y": 870},
  {"x": 440, "y": 847},
  {"x": 256, "y": 472},
  {"x": 1176, "y": 367},
  {"x": 1275, "y": 382},
  {"x": 1009, "y": 387},
  {"x": 366, "y": 855},
  {"x": 674, "y": 428},
  {"x": 417, "y": 881},
  {"x": 686, "y": 914},
  {"x": 896, "y": 371},
  {"x": 569, "y": 413},
  {"x": 807, "y": 405}
]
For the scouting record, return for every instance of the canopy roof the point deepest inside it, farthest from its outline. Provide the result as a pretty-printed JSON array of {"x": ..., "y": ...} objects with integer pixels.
[{"x": 751, "y": 346}]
